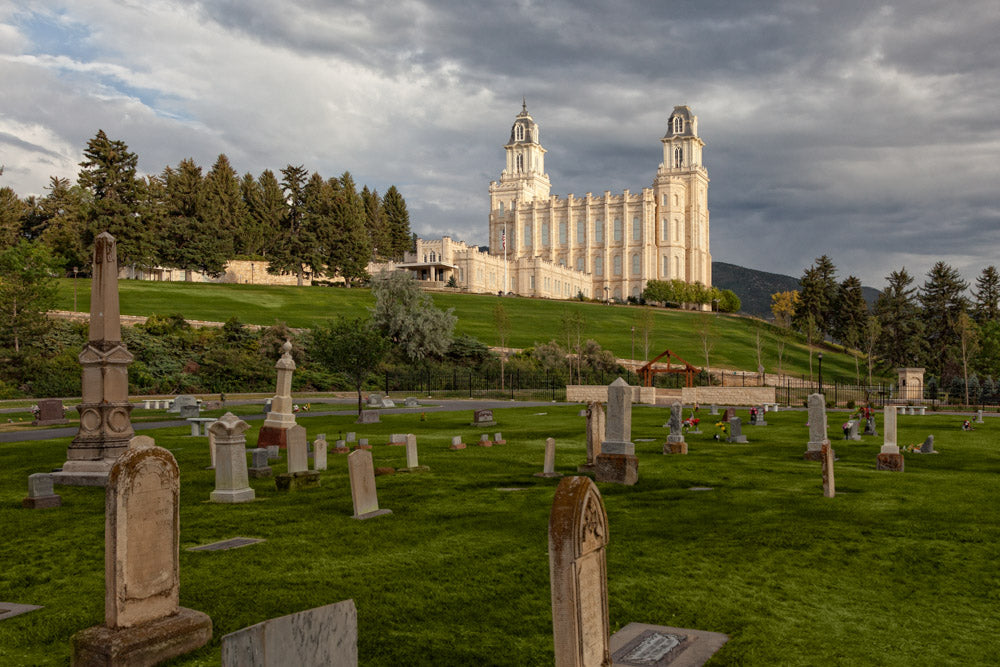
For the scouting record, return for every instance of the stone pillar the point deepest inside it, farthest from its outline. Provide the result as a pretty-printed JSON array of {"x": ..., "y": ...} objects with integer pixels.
[
  {"x": 617, "y": 461},
  {"x": 298, "y": 475},
  {"x": 549, "y": 466},
  {"x": 412, "y": 461},
  {"x": 890, "y": 457},
  {"x": 595, "y": 434},
  {"x": 281, "y": 417},
  {"x": 829, "y": 488},
  {"x": 105, "y": 424},
  {"x": 578, "y": 536},
  {"x": 143, "y": 623},
  {"x": 320, "y": 447},
  {"x": 675, "y": 441},
  {"x": 232, "y": 484},
  {"x": 817, "y": 428}
]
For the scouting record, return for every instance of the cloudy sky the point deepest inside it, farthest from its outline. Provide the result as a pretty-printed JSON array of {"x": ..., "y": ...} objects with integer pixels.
[{"x": 869, "y": 132}]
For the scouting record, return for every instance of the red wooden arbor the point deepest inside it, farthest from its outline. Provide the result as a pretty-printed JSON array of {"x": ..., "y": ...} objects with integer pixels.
[{"x": 674, "y": 365}]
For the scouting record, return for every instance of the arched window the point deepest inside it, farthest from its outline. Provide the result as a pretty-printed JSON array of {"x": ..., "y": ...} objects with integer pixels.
[
  {"x": 581, "y": 232},
  {"x": 520, "y": 162},
  {"x": 599, "y": 266},
  {"x": 562, "y": 233},
  {"x": 618, "y": 265},
  {"x": 527, "y": 234},
  {"x": 666, "y": 265},
  {"x": 665, "y": 230},
  {"x": 678, "y": 124},
  {"x": 500, "y": 208},
  {"x": 635, "y": 264},
  {"x": 598, "y": 231},
  {"x": 677, "y": 200},
  {"x": 519, "y": 132},
  {"x": 545, "y": 233},
  {"x": 677, "y": 229},
  {"x": 580, "y": 263},
  {"x": 636, "y": 229},
  {"x": 618, "y": 229},
  {"x": 433, "y": 257},
  {"x": 678, "y": 157}
]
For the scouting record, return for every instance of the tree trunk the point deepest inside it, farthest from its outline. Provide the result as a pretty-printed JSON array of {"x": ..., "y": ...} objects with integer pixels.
[{"x": 360, "y": 402}]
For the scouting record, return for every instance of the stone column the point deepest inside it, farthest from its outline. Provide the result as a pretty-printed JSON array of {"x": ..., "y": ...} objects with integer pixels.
[
  {"x": 549, "y": 466},
  {"x": 105, "y": 424},
  {"x": 320, "y": 447},
  {"x": 281, "y": 417},
  {"x": 231, "y": 477},
  {"x": 817, "y": 428},
  {"x": 829, "y": 488},
  {"x": 675, "y": 441},
  {"x": 617, "y": 461},
  {"x": 889, "y": 458},
  {"x": 595, "y": 434}
]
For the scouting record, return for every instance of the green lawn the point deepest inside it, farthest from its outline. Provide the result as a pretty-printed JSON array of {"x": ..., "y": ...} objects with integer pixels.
[
  {"x": 533, "y": 320},
  {"x": 898, "y": 569}
]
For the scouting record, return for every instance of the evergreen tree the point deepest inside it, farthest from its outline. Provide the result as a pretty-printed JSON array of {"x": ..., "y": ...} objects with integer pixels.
[
  {"x": 296, "y": 245},
  {"x": 224, "y": 210},
  {"x": 852, "y": 312},
  {"x": 12, "y": 213},
  {"x": 27, "y": 291},
  {"x": 349, "y": 247},
  {"x": 59, "y": 223},
  {"x": 375, "y": 223},
  {"x": 398, "y": 223},
  {"x": 188, "y": 242},
  {"x": 108, "y": 173},
  {"x": 899, "y": 321},
  {"x": 265, "y": 203},
  {"x": 987, "y": 295},
  {"x": 942, "y": 302},
  {"x": 818, "y": 297}
]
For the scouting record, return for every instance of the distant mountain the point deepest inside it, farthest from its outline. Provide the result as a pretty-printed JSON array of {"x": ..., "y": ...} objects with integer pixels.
[{"x": 756, "y": 287}]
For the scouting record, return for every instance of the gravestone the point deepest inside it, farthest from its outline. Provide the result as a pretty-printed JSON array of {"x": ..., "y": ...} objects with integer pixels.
[
  {"x": 498, "y": 439},
  {"x": 736, "y": 431},
  {"x": 728, "y": 414},
  {"x": 817, "y": 428},
  {"x": 340, "y": 447},
  {"x": 267, "y": 406},
  {"x": 259, "y": 468},
  {"x": 326, "y": 635},
  {"x": 549, "y": 466},
  {"x": 189, "y": 411},
  {"x": 281, "y": 417},
  {"x": 105, "y": 425},
  {"x": 299, "y": 476},
  {"x": 50, "y": 412},
  {"x": 231, "y": 476},
  {"x": 397, "y": 440},
  {"x": 273, "y": 452},
  {"x": 368, "y": 417},
  {"x": 352, "y": 436},
  {"x": 411, "y": 402},
  {"x": 363, "y": 444},
  {"x": 143, "y": 623},
  {"x": 456, "y": 443},
  {"x": 617, "y": 461},
  {"x": 979, "y": 416},
  {"x": 374, "y": 400},
  {"x": 829, "y": 488},
  {"x": 928, "y": 446},
  {"x": 412, "y": 463},
  {"x": 40, "y": 493},
  {"x": 870, "y": 428},
  {"x": 319, "y": 453},
  {"x": 675, "y": 441},
  {"x": 388, "y": 403},
  {"x": 761, "y": 416},
  {"x": 184, "y": 400},
  {"x": 483, "y": 418},
  {"x": 889, "y": 458},
  {"x": 852, "y": 430},
  {"x": 484, "y": 441},
  {"x": 714, "y": 411},
  {"x": 595, "y": 434},
  {"x": 578, "y": 536},
  {"x": 363, "y": 493}
]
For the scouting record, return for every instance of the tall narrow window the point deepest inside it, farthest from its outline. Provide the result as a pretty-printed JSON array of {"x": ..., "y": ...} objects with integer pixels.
[
  {"x": 580, "y": 263},
  {"x": 677, "y": 229},
  {"x": 636, "y": 229},
  {"x": 666, "y": 266},
  {"x": 598, "y": 231},
  {"x": 599, "y": 266},
  {"x": 618, "y": 229},
  {"x": 618, "y": 265},
  {"x": 678, "y": 157},
  {"x": 520, "y": 163},
  {"x": 519, "y": 132},
  {"x": 501, "y": 208},
  {"x": 562, "y": 233},
  {"x": 545, "y": 233},
  {"x": 581, "y": 232},
  {"x": 664, "y": 230},
  {"x": 635, "y": 264},
  {"x": 678, "y": 125},
  {"x": 527, "y": 234}
]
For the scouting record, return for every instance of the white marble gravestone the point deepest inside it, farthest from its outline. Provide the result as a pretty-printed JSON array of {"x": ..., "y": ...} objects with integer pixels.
[
  {"x": 361, "y": 470},
  {"x": 232, "y": 484}
]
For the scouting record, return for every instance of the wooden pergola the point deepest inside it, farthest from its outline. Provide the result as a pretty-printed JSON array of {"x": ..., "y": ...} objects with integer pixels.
[{"x": 675, "y": 364}]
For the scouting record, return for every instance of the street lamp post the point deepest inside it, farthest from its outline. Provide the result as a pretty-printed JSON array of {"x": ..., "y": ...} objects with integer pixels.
[
  {"x": 820, "y": 356},
  {"x": 75, "y": 269}
]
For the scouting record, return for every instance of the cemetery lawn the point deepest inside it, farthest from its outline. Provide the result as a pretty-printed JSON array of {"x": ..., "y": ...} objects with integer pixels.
[
  {"x": 898, "y": 569},
  {"x": 534, "y": 321}
]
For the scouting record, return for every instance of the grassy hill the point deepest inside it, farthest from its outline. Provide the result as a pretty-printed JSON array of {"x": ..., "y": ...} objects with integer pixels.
[
  {"x": 533, "y": 320},
  {"x": 756, "y": 287}
]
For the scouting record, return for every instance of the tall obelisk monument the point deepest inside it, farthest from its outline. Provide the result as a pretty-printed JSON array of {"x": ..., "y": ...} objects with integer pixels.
[{"x": 105, "y": 426}]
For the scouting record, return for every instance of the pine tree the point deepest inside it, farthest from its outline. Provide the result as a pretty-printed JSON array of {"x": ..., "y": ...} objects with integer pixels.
[
  {"x": 899, "y": 322},
  {"x": 265, "y": 202},
  {"x": 224, "y": 210},
  {"x": 987, "y": 295},
  {"x": 12, "y": 213},
  {"x": 942, "y": 303},
  {"x": 375, "y": 223},
  {"x": 852, "y": 312},
  {"x": 818, "y": 297},
  {"x": 108, "y": 172},
  {"x": 188, "y": 242},
  {"x": 398, "y": 223},
  {"x": 60, "y": 224},
  {"x": 296, "y": 246},
  {"x": 350, "y": 248}
]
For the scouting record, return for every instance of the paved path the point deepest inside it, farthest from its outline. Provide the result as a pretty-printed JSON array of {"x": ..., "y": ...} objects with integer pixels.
[{"x": 448, "y": 405}]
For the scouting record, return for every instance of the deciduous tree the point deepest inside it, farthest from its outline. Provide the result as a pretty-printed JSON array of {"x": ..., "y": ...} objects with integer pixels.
[{"x": 353, "y": 347}]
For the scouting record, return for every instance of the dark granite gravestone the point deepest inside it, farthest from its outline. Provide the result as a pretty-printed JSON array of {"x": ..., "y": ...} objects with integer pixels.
[{"x": 50, "y": 411}]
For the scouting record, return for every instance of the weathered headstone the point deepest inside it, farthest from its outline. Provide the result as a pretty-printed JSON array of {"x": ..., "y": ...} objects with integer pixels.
[
  {"x": 340, "y": 447},
  {"x": 761, "y": 416},
  {"x": 267, "y": 405},
  {"x": 231, "y": 476},
  {"x": 412, "y": 462},
  {"x": 351, "y": 436},
  {"x": 282, "y": 415},
  {"x": 829, "y": 488},
  {"x": 319, "y": 637},
  {"x": 578, "y": 536},
  {"x": 368, "y": 417},
  {"x": 388, "y": 403},
  {"x": 484, "y": 441},
  {"x": 273, "y": 452},
  {"x": 736, "y": 431},
  {"x": 928, "y": 446},
  {"x": 498, "y": 439},
  {"x": 714, "y": 411},
  {"x": 363, "y": 493},
  {"x": 456, "y": 443},
  {"x": 870, "y": 428},
  {"x": 817, "y": 428},
  {"x": 184, "y": 400},
  {"x": 259, "y": 467},
  {"x": 890, "y": 458},
  {"x": 50, "y": 412},
  {"x": 728, "y": 414},
  {"x": 595, "y": 434},
  {"x": 143, "y": 623},
  {"x": 319, "y": 453},
  {"x": 675, "y": 441},
  {"x": 483, "y": 418},
  {"x": 299, "y": 476},
  {"x": 397, "y": 440},
  {"x": 617, "y": 461},
  {"x": 363, "y": 444},
  {"x": 979, "y": 416},
  {"x": 188, "y": 411},
  {"x": 549, "y": 466},
  {"x": 40, "y": 494},
  {"x": 105, "y": 425},
  {"x": 411, "y": 402},
  {"x": 374, "y": 400},
  {"x": 852, "y": 430}
]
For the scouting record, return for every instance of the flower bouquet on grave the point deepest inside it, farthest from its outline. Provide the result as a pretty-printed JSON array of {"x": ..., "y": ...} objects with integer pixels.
[
  {"x": 723, "y": 430},
  {"x": 846, "y": 428},
  {"x": 691, "y": 422}
]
